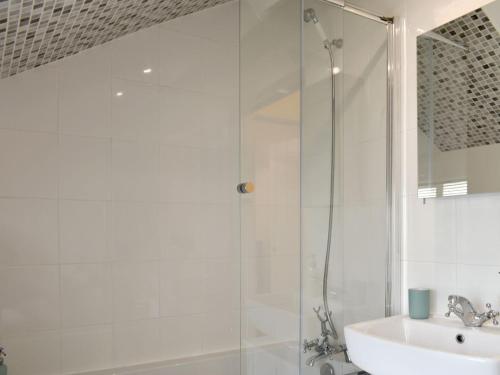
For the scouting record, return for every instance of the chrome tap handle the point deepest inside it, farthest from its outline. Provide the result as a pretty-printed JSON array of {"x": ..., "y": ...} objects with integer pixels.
[
  {"x": 492, "y": 314},
  {"x": 309, "y": 345},
  {"x": 451, "y": 308}
]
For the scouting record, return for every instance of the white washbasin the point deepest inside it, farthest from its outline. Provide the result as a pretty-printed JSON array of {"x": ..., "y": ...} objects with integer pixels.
[{"x": 400, "y": 345}]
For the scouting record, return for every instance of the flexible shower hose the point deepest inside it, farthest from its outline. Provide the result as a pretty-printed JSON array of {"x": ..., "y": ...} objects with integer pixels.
[{"x": 326, "y": 306}]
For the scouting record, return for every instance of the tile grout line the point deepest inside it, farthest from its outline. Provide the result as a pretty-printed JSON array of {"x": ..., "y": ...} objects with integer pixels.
[
  {"x": 59, "y": 250},
  {"x": 110, "y": 217}
]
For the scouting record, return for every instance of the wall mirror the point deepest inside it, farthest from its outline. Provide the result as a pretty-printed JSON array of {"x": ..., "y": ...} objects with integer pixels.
[{"x": 458, "y": 105}]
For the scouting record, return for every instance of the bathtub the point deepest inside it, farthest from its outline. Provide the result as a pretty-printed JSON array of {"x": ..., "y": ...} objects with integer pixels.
[{"x": 226, "y": 363}]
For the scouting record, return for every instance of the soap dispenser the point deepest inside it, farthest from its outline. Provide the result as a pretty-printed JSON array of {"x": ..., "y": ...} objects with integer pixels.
[{"x": 3, "y": 366}]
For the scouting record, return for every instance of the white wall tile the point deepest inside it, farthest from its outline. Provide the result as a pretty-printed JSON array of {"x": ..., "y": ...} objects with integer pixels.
[
  {"x": 136, "y": 112},
  {"x": 441, "y": 278},
  {"x": 228, "y": 365},
  {"x": 35, "y": 353},
  {"x": 179, "y": 231},
  {"x": 84, "y": 168},
  {"x": 28, "y": 231},
  {"x": 219, "y": 176},
  {"x": 479, "y": 284},
  {"x": 179, "y": 342},
  {"x": 137, "y": 342},
  {"x": 256, "y": 278},
  {"x": 283, "y": 274},
  {"x": 180, "y": 64},
  {"x": 135, "y": 231},
  {"x": 182, "y": 117},
  {"x": 182, "y": 287},
  {"x": 222, "y": 331},
  {"x": 190, "y": 368},
  {"x": 84, "y": 231},
  {"x": 221, "y": 70},
  {"x": 135, "y": 171},
  {"x": 364, "y": 171},
  {"x": 217, "y": 236},
  {"x": 410, "y": 162},
  {"x": 478, "y": 233},
  {"x": 222, "y": 285},
  {"x": 432, "y": 232},
  {"x": 219, "y": 119},
  {"x": 135, "y": 291},
  {"x": 86, "y": 294},
  {"x": 30, "y": 300},
  {"x": 135, "y": 53},
  {"x": 218, "y": 23},
  {"x": 180, "y": 57},
  {"x": 87, "y": 348},
  {"x": 316, "y": 169},
  {"x": 85, "y": 93},
  {"x": 38, "y": 88},
  {"x": 286, "y": 230},
  {"x": 180, "y": 174},
  {"x": 28, "y": 164}
]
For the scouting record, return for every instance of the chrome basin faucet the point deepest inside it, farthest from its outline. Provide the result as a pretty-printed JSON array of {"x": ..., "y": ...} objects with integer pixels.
[{"x": 462, "y": 307}]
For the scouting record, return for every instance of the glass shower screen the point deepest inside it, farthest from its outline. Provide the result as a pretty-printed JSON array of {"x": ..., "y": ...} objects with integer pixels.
[
  {"x": 344, "y": 203},
  {"x": 311, "y": 73}
]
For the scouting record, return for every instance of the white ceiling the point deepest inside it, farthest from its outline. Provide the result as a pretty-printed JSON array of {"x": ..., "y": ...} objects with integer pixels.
[{"x": 386, "y": 8}]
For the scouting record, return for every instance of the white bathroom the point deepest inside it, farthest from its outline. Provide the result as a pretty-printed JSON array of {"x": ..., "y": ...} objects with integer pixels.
[{"x": 249, "y": 187}]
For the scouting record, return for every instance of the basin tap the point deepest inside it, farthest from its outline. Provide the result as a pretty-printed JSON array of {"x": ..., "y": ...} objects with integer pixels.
[{"x": 462, "y": 307}]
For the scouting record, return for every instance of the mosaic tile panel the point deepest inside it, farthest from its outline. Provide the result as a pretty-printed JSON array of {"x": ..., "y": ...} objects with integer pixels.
[
  {"x": 458, "y": 90},
  {"x": 36, "y": 32}
]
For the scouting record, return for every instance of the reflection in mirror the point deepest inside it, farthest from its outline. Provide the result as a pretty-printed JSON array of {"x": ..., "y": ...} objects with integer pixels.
[{"x": 458, "y": 105}]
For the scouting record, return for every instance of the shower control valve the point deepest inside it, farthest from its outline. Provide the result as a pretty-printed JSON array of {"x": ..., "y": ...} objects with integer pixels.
[{"x": 310, "y": 345}]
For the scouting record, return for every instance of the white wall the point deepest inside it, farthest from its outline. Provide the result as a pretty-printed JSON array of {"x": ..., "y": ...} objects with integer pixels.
[
  {"x": 450, "y": 245},
  {"x": 118, "y": 214}
]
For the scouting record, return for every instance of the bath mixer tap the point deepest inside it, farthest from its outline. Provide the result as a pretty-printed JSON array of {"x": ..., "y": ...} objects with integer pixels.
[
  {"x": 462, "y": 307},
  {"x": 324, "y": 346}
]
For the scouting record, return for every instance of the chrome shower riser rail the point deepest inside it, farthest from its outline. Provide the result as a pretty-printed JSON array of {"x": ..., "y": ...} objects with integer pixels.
[{"x": 360, "y": 12}]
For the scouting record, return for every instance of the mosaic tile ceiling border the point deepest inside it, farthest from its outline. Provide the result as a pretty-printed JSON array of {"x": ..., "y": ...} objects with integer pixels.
[
  {"x": 458, "y": 90},
  {"x": 37, "y": 32}
]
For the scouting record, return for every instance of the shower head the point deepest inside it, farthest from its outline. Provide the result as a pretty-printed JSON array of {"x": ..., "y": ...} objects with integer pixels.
[{"x": 310, "y": 15}]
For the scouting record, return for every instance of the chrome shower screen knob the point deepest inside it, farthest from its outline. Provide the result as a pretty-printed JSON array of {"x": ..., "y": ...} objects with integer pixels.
[{"x": 245, "y": 188}]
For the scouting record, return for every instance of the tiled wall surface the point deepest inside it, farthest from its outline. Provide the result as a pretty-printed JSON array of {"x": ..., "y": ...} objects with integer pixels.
[
  {"x": 450, "y": 245},
  {"x": 118, "y": 213}
]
